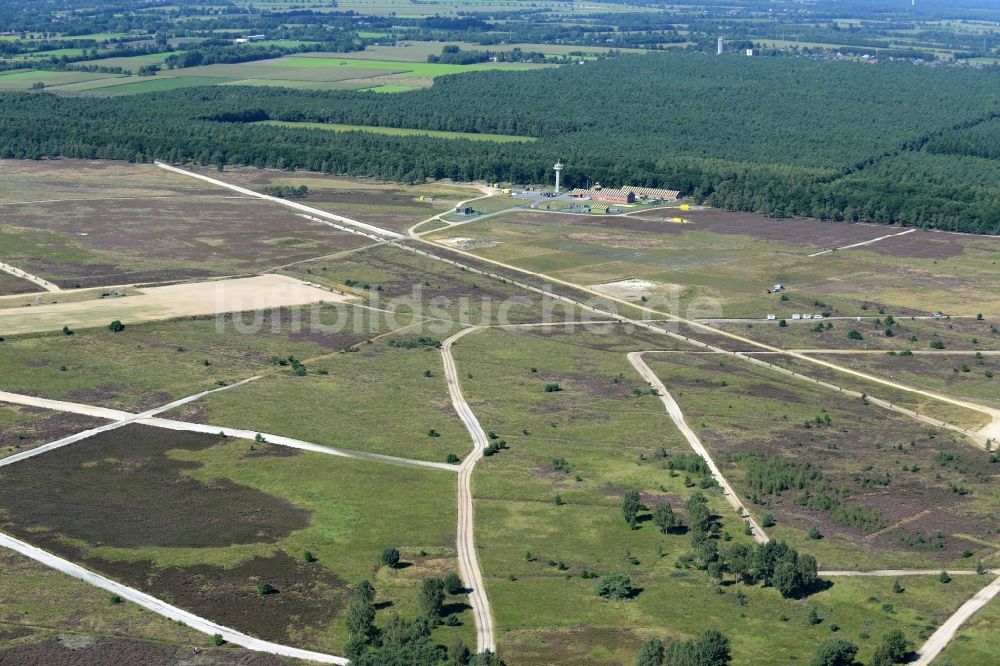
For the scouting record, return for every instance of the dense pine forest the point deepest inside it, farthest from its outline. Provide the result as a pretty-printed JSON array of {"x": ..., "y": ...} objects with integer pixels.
[{"x": 892, "y": 143}]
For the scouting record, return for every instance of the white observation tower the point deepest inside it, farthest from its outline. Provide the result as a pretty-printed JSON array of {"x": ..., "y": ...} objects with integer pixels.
[{"x": 558, "y": 168}]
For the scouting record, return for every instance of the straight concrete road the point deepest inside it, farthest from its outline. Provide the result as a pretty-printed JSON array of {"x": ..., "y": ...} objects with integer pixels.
[
  {"x": 163, "y": 608},
  {"x": 63, "y": 406},
  {"x": 17, "y": 272},
  {"x": 468, "y": 561},
  {"x": 284, "y": 202},
  {"x": 674, "y": 410},
  {"x": 946, "y": 632},
  {"x": 293, "y": 443}
]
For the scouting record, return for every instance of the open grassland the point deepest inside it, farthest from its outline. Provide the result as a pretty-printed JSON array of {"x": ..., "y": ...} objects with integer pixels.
[
  {"x": 964, "y": 417},
  {"x": 151, "y": 364},
  {"x": 956, "y": 334},
  {"x": 23, "y": 428},
  {"x": 724, "y": 263},
  {"x": 394, "y": 206},
  {"x": 25, "y": 79},
  {"x": 609, "y": 439},
  {"x": 202, "y": 522},
  {"x": 962, "y": 376},
  {"x": 883, "y": 489},
  {"x": 109, "y": 225},
  {"x": 392, "y": 278},
  {"x": 379, "y": 399},
  {"x": 402, "y": 131},
  {"x": 976, "y": 641}
]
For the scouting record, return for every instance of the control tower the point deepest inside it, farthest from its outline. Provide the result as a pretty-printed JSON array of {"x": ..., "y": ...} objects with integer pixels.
[{"x": 558, "y": 169}]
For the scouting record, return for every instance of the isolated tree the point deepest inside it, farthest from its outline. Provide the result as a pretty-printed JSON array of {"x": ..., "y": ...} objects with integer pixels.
[
  {"x": 116, "y": 326},
  {"x": 650, "y": 653},
  {"x": 713, "y": 649},
  {"x": 894, "y": 649},
  {"x": 431, "y": 596},
  {"x": 389, "y": 557},
  {"x": 615, "y": 586},
  {"x": 453, "y": 583},
  {"x": 664, "y": 518},
  {"x": 631, "y": 505},
  {"x": 836, "y": 652}
]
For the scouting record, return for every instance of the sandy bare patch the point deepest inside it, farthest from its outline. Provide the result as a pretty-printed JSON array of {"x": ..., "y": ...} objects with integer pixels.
[
  {"x": 180, "y": 300},
  {"x": 629, "y": 288},
  {"x": 466, "y": 243}
]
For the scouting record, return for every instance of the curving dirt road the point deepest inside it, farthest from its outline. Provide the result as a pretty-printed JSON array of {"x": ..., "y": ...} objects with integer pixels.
[
  {"x": 946, "y": 632},
  {"x": 468, "y": 561},
  {"x": 161, "y": 607},
  {"x": 674, "y": 410}
]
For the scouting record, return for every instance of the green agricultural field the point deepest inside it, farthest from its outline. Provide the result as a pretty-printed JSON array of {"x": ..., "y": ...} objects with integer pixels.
[
  {"x": 401, "y": 131},
  {"x": 160, "y": 83},
  {"x": 266, "y": 506},
  {"x": 389, "y": 89},
  {"x": 24, "y": 79},
  {"x": 418, "y": 69}
]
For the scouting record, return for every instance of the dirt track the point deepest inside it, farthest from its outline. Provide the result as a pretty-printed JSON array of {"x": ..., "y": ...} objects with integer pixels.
[
  {"x": 468, "y": 560},
  {"x": 17, "y": 272}
]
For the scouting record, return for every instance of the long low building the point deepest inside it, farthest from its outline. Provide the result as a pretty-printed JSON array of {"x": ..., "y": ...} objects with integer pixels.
[{"x": 624, "y": 195}]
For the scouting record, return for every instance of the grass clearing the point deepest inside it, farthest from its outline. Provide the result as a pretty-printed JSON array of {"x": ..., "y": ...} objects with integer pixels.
[
  {"x": 377, "y": 399},
  {"x": 401, "y": 131},
  {"x": 178, "y": 358}
]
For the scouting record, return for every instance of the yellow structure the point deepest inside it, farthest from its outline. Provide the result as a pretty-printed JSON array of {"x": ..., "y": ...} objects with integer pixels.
[
  {"x": 421, "y": 199},
  {"x": 685, "y": 207},
  {"x": 505, "y": 192}
]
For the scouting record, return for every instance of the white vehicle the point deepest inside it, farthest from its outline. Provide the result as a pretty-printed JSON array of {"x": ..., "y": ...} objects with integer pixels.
[
  {"x": 771, "y": 317},
  {"x": 807, "y": 316},
  {"x": 819, "y": 316},
  {"x": 796, "y": 316}
]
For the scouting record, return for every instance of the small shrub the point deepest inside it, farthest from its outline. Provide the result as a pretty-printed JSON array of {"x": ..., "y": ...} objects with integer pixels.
[
  {"x": 218, "y": 640},
  {"x": 116, "y": 326}
]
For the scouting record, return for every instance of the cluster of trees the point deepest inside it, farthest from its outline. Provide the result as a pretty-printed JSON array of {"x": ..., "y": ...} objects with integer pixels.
[
  {"x": 773, "y": 475},
  {"x": 406, "y": 641},
  {"x": 287, "y": 191},
  {"x": 711, "y": 648},
  {"x": 453, "y": 55}
]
